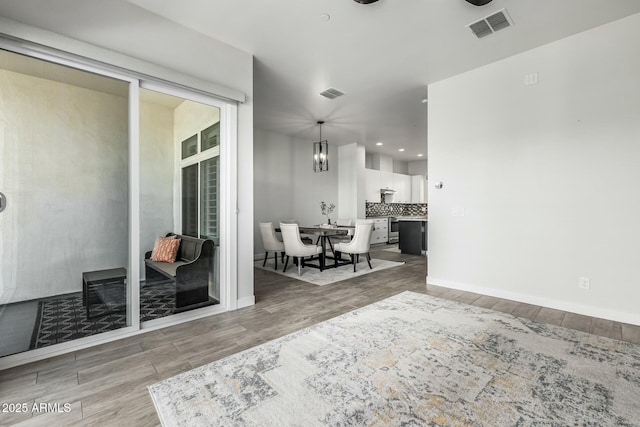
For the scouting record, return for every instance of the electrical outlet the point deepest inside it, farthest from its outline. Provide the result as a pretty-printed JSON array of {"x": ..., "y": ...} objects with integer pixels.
[
  {"x": 531, "y": 79},
  {"x": 584, "y": 283}
]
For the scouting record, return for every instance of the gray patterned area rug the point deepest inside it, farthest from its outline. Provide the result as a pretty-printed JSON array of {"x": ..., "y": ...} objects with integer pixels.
[
  {"x": 413, "y": 359},
  {"x": 331, "y": 275}
]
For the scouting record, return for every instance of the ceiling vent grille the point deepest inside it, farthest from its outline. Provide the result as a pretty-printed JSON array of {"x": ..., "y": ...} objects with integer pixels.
[
  {"x": 331, "y": 93},
  {"x": 492, "y": 23}
]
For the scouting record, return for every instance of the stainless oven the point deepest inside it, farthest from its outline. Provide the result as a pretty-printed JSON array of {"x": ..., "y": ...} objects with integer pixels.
[{"x": 394, "y": 234}]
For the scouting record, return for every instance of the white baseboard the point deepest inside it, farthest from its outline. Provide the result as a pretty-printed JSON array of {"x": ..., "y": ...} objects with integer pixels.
[
  {"x": 587, "y": 310},
  {"x": 246, "y": 301}
]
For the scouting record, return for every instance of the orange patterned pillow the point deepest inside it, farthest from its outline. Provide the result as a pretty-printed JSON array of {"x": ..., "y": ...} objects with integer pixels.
[
  {"x": 165, "y": 249},
  {"x": 156, "y": 245}
]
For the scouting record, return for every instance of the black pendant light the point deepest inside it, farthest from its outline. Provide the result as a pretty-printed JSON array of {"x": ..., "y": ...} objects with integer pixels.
[
  {"x": 320, "y": 153},
  {"x": 368, "y": 1}
]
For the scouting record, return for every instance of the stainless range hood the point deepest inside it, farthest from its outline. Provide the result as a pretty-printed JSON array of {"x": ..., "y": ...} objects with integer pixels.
[{"x": 387, "y": 191}]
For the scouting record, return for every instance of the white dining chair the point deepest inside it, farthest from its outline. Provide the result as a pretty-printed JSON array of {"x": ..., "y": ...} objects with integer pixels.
[
  {"x": 271, "y": 243},
  {"x": 293, "y": 246},
  {"x": 305, "y": 239},
  {"x": 360, "y": 244}
]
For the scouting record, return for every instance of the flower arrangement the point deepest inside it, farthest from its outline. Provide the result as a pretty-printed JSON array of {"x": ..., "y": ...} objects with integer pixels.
[{"x": 326, "y": 209}]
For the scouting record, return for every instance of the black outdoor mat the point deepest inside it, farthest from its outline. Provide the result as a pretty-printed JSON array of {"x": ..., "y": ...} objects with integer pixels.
[{"x": 65, "y": 319}]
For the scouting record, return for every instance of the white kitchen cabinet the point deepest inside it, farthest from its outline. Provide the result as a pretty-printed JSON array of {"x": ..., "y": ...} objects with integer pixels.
[
  {"x": 418, "y": 189},
  {"x": 372, "y": 185},
  {"x": 402, "y": 186},
  {"x": 376, "y": 180},
  {"x": 386, "y": 180},
  {"x": 406, "y": 187}
]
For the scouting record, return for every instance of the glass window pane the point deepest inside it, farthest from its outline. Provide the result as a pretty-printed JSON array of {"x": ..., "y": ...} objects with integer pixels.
[
  {"x": 211, "y": 136},
  {"x": 190, "y": 146},
  {"x": 190, "y": 200},
  {"x": 209, "y": 198},
  {"x": 170, "y": 120},
  {"x": 64, "y": 236}
]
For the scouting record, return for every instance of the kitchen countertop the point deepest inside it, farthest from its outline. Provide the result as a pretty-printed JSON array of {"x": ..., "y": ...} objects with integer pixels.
[{"x": 401, "y": 217}]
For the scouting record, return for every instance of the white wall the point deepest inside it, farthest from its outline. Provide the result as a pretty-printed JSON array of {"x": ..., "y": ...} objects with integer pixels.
[
  {"x": 418, "y": 167},
  {"x": 286, "y": 186},
  {"x": 245, "y": 238},
  {"x": 52, "y": 147},
  {"x": 190, "y": 118},
  {"x": 156, "y": 175},
  {"x": 371, "y": 161},
  {"x": 351, "y": 191},
  {"x": 64, "y": 162},
  {"x": 401, "y": 167},
  {"x": 547, "y": 175},
  {"x": 309, "y": 187},
  {"x": 273, "y": 186}
]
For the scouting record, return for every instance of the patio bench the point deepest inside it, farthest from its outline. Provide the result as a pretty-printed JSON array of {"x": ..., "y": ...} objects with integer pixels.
[{"x": 191, "y": 272}]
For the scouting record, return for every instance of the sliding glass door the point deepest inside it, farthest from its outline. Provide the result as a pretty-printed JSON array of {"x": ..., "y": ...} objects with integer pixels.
[
  {"x": 179, "y": 196},
  {"x": 64, "y": 232},
  {"x": 97, "y": 176}
]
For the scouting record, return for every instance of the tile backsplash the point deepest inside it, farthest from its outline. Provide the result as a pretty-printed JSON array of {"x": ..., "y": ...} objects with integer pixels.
[{"x": 395, "y": 209}]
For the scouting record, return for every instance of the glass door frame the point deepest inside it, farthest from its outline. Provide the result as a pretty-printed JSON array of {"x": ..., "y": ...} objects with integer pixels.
[
  {"x": 228, "y": 200},
  {"x": 133, "y": 269}
]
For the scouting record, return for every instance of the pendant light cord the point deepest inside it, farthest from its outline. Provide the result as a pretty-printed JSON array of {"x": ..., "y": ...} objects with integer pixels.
[{"x": 320, "y": 122}]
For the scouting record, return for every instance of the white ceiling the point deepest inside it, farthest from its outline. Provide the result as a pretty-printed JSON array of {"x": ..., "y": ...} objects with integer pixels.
[
  {"x": 59, "y": 73},
  {"x": 382, "y": 55}
]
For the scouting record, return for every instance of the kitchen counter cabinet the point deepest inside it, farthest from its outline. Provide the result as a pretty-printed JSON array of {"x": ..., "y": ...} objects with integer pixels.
[
  {"x": 413, "y": 237},
  {"x": 413, "y": 218},
  {"x": 380, "y": 232}
]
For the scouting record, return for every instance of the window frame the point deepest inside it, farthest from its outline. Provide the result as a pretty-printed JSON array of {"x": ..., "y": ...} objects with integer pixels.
[{"x": 197, "y": 159}]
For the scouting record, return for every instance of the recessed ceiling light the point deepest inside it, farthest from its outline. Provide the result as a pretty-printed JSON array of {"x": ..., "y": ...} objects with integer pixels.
[
  {"x": 325, "y": 17},
  {"x": 425, "y": 100},
  {"x": 401, "y": 149},
  {"x": 378, "y": 143},
  {"x": 420, "y": 155}
]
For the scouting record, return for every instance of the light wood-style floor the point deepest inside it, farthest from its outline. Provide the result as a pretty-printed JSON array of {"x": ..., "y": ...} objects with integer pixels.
[{"x": 107, "y": 385}]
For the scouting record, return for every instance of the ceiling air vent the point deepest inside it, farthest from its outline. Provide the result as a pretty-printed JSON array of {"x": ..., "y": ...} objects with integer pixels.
[
  {"x": 331, "y": 93},
  {"x": 492, "y": 23}
]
